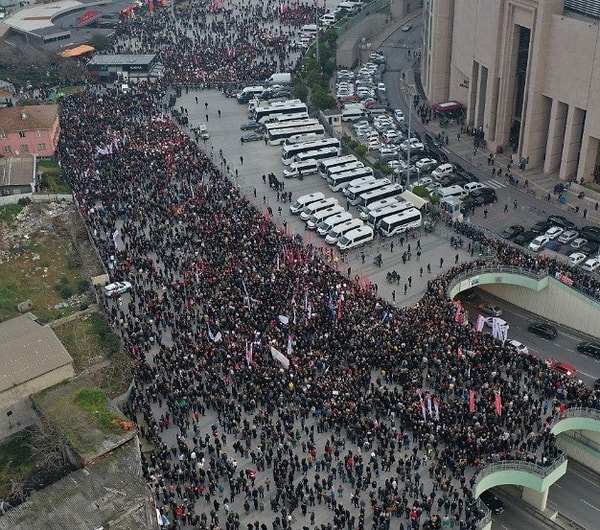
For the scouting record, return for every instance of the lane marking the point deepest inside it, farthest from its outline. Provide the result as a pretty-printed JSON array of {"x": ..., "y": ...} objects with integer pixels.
[
  {"x": 595, "y": 484},
  {"x": 590, "y": 505},
  {"x": 587, "y": 375}
]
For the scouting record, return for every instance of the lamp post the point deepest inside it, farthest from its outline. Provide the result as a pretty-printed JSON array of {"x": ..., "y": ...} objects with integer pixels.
[{"x": 408, "y": 95}]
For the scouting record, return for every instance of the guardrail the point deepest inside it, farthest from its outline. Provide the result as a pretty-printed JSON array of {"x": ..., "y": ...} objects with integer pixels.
[
  {"x": 487, "y": 517},
  {"x": 473, "y": 271},
  {"x": 520, "y": 465}
]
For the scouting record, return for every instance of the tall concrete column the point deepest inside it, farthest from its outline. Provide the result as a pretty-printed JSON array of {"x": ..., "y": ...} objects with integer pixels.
[
  {"x": 535, "y": 498},
  {"x": 589, "y": 155},
  {"x": 573, "y": 130},
  {"x": 556, "y": 133}
]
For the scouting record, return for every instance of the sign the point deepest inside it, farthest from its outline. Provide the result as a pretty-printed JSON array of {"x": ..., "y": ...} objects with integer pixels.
[
  {"x": 87, "y": 17},
  {"x": 563, "y": 278}
]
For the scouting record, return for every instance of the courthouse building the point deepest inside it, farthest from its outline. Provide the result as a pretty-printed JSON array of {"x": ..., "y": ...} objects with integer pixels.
[{"x": 528, "y": 73}]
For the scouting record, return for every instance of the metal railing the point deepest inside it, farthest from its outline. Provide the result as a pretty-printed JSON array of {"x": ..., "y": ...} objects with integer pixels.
[
  {"x": 520, "y": 465},
  {"x": 487, "y": 515},
  {"x": 473, "y": 271}
]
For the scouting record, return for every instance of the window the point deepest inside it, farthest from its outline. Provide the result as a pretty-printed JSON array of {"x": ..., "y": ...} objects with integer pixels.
[
  {"x": 21, "y": 134},
  {"x": 7, "y": 149},
  {"x": 24, "y": 148},
  {"x": 3, "y": 135},
  {"x": 41, "y": 147},
  {"x": 38, "y": 133}
]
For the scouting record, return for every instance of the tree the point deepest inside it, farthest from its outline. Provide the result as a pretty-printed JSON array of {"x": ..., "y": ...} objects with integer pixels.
[
  {"x": 100, "y": 42},
  {"x": 49, "y": 448}
]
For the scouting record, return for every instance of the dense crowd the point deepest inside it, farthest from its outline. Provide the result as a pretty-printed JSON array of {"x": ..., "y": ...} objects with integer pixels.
[
  {"x": 225, "y": 44},
  {"x": 267, "y": 383}
]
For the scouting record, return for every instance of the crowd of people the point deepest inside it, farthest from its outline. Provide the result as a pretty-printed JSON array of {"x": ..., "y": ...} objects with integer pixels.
[
  {"x": 268, "y": 384},
  {"x": 224, "y": 44}
]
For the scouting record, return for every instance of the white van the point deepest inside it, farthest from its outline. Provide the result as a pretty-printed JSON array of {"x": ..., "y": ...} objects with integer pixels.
[
  {"x": 332, "y": 221},
  {"x": 345, "y": 7},
  {"x": 443, "y": 171},
  {"x": 356, "y": 238},
  {"x": 301, "y": 169},
  {"x": 249, "y": 92},
  {"x": 314, "y": 207},
  {"x": 327, "y": 19},
  {"x": 353, "y": 112},
  {"x": 316, "y": 218},
  {"x": 304, "y": 200},
  {"x": 451, "y": 191},
  {"x": 337, "y": 232},
  {"x": 310, "y": 30}
]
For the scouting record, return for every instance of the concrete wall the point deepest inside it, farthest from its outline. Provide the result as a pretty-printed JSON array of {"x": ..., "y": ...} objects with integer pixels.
[
  {"x": 579, "y": 452},
  {"x": 22, "y": 416},
  {"x": 557, "y": 302}
]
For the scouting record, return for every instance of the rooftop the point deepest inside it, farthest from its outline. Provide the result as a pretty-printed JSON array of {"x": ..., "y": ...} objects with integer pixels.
[
  {"x": 35, "y": 18},
  {"x": 28, "y": 350},
  {"x": 118, "y": 59},
  {"x": 16, "y": 171},
  {"x": 28, "y": 118}
]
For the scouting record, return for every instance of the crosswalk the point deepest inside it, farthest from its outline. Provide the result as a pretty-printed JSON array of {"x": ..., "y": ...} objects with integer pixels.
[{"x": 495, "y": 184}]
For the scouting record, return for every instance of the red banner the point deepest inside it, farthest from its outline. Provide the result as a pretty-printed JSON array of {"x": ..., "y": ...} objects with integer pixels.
[
  {"x": 472, "y": 401},
  {"x": 498, "y": 402}
]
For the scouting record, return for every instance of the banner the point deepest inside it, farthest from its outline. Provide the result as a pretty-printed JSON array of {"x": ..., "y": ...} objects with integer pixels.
[
  {"x": 472, "y": 400},
  {"x": 249, "y": 353},
  {"x": 498, "y": 403},
  {"x": 459, "y": 353},
  {"x": 479, "y": 323},
  {"x": 436, "y": 407},
  {"x": 278, "y": 356}
]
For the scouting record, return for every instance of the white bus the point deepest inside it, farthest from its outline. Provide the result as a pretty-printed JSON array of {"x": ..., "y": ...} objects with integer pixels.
[
  {"x": 358, "y": 182},
  {"x": 381, "y": 193},
  {"x": 282, "y": 118},
  {"x": 350, "y": 166},
  {"x": 291, "y": 106},
  {"x": 400, "y": 222},
  {"x": 375, "y": 217},
  {"x": 289, "y": 152},
  {"x": 338, "y": 181},
  {"x": 317, "y": 154},
  {"x": 303, "y": 138},
  {"x": 293, "y": 129},
  {"x": 301, "y": 169},
  {"x": 353, "y": 194},
  {"x": 338, "y": 161},
  {"x": 382, "y": 203}
]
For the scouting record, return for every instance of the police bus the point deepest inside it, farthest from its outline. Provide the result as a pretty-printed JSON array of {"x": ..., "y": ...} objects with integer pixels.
[
  {"x": 353, "y": 194},
  {"x": 316, "y": 154},
  {"x": 381, "y": 193},
  {"x": 400, "y": 222},
  {"x": 290, "y": 152},
  {"x": 278, "y": 133},
  {"x": 271, "y": 110},
  {"x": 338, "y": 161},
  {"x": 339, "y": 181},
  {"x": 375, "y": 217}
]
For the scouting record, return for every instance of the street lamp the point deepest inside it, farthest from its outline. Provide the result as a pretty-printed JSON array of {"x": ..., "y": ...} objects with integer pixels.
[{"x": 408, "y": 95}]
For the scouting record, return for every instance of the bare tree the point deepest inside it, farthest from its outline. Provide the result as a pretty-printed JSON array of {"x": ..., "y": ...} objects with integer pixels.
[{"x": 48, "y": 447}]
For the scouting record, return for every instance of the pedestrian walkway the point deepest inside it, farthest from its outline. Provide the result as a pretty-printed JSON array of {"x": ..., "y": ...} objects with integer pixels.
[{"x": 495, "y": 184}]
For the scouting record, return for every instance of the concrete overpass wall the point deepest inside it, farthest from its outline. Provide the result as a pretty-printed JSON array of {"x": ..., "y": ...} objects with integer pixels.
[
  {"x": 557, "y": 302},
  {"x": 580, "y": 451}
]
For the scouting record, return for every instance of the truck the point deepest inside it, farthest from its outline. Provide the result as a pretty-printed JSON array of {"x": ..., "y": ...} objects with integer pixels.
[{"x": 282, "y": 78}]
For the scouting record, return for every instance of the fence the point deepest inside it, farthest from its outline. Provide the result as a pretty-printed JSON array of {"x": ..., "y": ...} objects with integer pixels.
[
  {"x": 519, "y": 465},
  {"x": 473, "y": 271}
]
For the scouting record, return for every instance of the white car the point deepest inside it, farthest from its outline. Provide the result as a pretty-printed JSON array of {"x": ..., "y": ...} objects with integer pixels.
[
  {"x": 578, "y": 242},
  {"x": 518, "y": 346},
  {"x": 472, "y": 186},
  {"x": 115, "y": 289},
  {"x": 591, "y": 265},
  {"x": 442, "y": 171},
  {"x": 539, "y": 243},
  {"x": 381, "y": 87},
  {"x": 567, "y": 236},
  {"x": 426, "y": 164},
  {"x": 373, "y": 145},
  {"x": 576, "y": 258},
  {"x": 554, "y": 231},
  {"x": 399, "y": 115}
]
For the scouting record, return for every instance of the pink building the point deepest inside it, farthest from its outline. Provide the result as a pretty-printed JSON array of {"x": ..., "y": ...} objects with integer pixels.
[{"x": 30, "y": 130}]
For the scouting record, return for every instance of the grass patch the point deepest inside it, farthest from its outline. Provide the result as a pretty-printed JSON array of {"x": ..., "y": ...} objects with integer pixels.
[
  {"x": 53, "y": 179},
  {"x": 16, "y": 461},
  {"x": 89, "y": 340},
  {"x": 42, "y": 272},
  {"x": 95, "y": 403},
  {"x": 9, "y": 212}
]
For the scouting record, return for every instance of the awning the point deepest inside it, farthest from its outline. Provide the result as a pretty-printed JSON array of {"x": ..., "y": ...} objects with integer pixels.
[
  {"x": 79, "y": 50},
  {"x": 448, "y": 106},
  {"x": 415, "y": 200}
]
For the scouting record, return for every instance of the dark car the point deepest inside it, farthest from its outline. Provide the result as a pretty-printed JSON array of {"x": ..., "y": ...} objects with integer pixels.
[
  {"x": 559, "y": 220},
  {"x": 455, "y": 178},
  {"x": 495, "y": 505},
  {"x": 589, "y": 348},
  {"x": 251, "y": 137},
  {"x": 512, "y": 231},
  {"x": 597, "y": 385},
  {"x": 432, "y": 140},
  {"x": 524, "y": 238},
  {"x": 540, "y": 227},
  {"x": 484, "y": 196},
  {"x": 543, "y": 330},
  {"x": 590, "y": 248},
  {"x": 250, "y": 126},
  {"x": 591, "y": 233},
  {"x": 438, "y": 154}
]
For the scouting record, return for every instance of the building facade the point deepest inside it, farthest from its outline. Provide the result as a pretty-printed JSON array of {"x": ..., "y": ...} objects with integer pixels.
[
  {"x": 528, "y": 73},
  {"x": 29, "y": 130}
]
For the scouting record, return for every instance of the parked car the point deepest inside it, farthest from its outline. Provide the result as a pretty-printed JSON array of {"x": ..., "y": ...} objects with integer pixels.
[
  {"x": 495, "y": 505},
  {"x": 251, "y": 137},
  {"x": 541, "y": 226},
  {"x": 543, "y": 330},
  {"x": 426, "y": 164},
  {"x": 568, "y": 235},
  {"x": 539, "y": 243},
  {"x": 250, "y": 126},
  {"x": 524, "y": 238},
  {"x": 578, "y": 242},
  {"x": 406, "y": 27},
  {"x": 590, "y": 248},
  {"x": 591, "y": 233},
  {"x": 559, "y": 220},
  {"x": 554, "y": 232},
  {"x": 591, "y": 265},
  {"x": 512, "y": 231},
  {"x": 575, "y": 258},
  {"x": 589, "y": 348},
  {"x": 113, "y": 290},
  {"x": 484, "y": 196}
]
